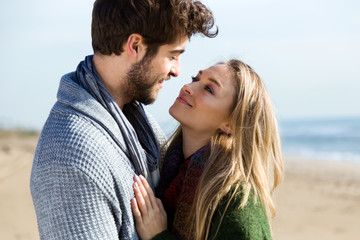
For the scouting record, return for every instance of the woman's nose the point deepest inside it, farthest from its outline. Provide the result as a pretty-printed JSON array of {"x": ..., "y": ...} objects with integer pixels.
[{"x": 188, "y": 89}]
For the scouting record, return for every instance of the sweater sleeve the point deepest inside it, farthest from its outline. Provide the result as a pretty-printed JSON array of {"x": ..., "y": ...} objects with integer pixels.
[
  {"x": 70, "y": 183},
  {"x": 248, "y": 223},
  {"x": 72, "y": 206}
]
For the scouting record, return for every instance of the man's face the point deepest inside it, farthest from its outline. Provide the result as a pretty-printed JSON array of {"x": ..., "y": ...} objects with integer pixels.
[{"x": 145, "y": 78}]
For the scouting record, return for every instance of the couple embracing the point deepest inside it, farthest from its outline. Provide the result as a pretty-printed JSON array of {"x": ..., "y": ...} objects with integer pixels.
[{"x": 103, "y": 168}]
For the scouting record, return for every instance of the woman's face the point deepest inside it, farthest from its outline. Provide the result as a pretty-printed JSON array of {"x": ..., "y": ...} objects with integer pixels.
[{"x": 204, "y": 104}]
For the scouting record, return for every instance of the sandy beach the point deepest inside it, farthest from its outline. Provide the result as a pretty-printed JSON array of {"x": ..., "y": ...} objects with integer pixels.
[{"x": 317, "y": 200}]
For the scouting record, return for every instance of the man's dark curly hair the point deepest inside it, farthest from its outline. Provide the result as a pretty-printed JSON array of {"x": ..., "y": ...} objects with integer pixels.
[{"x": 158, "y": 21}]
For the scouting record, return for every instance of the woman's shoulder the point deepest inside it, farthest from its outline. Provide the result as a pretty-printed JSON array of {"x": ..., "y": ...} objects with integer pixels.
[
  {"x": 247, "y": 222},
  {"x": 252, "y": 210}
]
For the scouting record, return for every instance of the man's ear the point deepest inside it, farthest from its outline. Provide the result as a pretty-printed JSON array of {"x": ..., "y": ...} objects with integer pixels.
[
  {"x": 225, "y": 127},
  {"x": 135, "y": 46}
]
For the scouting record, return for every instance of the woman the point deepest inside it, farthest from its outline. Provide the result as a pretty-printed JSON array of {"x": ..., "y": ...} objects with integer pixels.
[{"x": 222, "y": 165}]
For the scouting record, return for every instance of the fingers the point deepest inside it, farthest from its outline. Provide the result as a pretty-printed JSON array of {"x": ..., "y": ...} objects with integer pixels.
[
  {"x": 140, "y": 199},
  {"x": 136, "y": 211},
  {"x": 146, "y": 191},
  {"x": 149, "y": 214},
  {"x": 149, "y": 191}
]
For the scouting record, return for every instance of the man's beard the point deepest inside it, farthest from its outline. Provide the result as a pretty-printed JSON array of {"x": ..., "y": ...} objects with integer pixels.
[{"x": 141, "y": 82}]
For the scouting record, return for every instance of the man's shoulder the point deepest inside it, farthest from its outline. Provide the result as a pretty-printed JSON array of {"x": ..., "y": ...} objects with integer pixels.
[
  {"x": 66, "y": 122},
  {"x": 68, "y": 137}
]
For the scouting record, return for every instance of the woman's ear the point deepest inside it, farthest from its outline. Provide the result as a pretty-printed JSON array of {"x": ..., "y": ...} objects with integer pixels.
[
  {"x": 135, "y": 47},
  {"x": 226, "y": 128}
]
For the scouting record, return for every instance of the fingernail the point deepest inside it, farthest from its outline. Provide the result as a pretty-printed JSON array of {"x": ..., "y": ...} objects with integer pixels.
[
  {"x": 135, "y": 186},
  {"x": 137, "y": 178},
  {"x": 142, "y": 178}
]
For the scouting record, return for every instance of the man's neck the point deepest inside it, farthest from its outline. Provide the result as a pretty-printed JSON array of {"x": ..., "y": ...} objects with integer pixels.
[{"x": 112, "y": 72}]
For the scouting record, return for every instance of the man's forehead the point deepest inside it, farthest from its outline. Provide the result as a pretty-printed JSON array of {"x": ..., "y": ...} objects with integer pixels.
[{"x": 178, "y": 44}]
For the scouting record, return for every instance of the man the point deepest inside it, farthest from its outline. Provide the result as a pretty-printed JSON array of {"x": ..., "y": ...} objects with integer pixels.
[{"x": 98, "y": 136}]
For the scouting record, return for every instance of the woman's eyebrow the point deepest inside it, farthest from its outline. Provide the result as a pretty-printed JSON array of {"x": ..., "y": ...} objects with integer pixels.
[
  {"x": 216, "y": 82},
  {"x": 212, "y": 79},
  {"x": 177, "y": 51}
]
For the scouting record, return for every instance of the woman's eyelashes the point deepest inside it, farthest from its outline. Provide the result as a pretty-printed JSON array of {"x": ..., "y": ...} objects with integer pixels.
[
  {"x": 207, "y": 87},
  {"x": 194, "y": 79}
]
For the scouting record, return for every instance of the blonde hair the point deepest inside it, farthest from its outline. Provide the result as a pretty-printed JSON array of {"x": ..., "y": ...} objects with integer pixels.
[{"x": 249, "y": 158}]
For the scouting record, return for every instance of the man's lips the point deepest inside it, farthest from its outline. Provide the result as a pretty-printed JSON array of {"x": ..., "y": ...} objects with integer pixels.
[
  {"x": 161, "y": 83},
  {"x": 182, "y": 100}
]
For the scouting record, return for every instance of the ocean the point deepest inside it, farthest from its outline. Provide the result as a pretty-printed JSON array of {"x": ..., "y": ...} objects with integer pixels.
[
  {"x": 318, "y": 139},
  {"x": 322, "y": 139}
]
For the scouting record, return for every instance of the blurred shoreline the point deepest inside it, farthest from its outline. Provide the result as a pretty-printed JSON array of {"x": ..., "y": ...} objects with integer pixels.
[
  {"x": 335, "y": 139},
  {"x": 317, "y": 200}
]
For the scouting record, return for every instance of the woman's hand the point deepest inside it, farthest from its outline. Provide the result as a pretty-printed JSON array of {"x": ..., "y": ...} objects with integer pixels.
[{"x": 150, "y": 216}]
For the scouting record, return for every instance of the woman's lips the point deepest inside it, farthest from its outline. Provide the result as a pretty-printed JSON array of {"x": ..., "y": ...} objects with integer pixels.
[{"x": 182, "y": 100}]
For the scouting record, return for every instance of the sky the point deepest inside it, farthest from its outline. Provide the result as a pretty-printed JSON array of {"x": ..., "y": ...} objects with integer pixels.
[{"x": 306, "y": 52}]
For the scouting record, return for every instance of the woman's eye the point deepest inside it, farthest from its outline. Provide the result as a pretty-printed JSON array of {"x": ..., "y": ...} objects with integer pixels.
[
  {"x": 194, "y": 79},
  {"x": 209, "y": 89}
]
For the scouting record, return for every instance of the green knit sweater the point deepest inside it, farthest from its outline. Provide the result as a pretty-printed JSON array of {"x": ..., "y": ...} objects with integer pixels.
[{"x": 248, "y": 223}]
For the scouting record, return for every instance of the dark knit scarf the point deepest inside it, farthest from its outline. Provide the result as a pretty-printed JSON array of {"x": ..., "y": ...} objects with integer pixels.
[
  {"x": 141, "y": 144},
  {"x": 177, "y": 187}
]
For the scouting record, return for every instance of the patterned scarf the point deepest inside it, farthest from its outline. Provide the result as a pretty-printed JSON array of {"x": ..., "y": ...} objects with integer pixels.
[
  {"x": 177, "y": 187},
  {"x": 141, "y": 144}
]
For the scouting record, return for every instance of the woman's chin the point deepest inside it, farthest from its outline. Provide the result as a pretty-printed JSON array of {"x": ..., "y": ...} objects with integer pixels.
[{"x": 173, "y": 112}]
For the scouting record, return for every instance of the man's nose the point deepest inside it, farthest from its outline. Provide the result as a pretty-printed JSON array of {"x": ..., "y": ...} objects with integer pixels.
[{"x": 175, "y": 69}]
